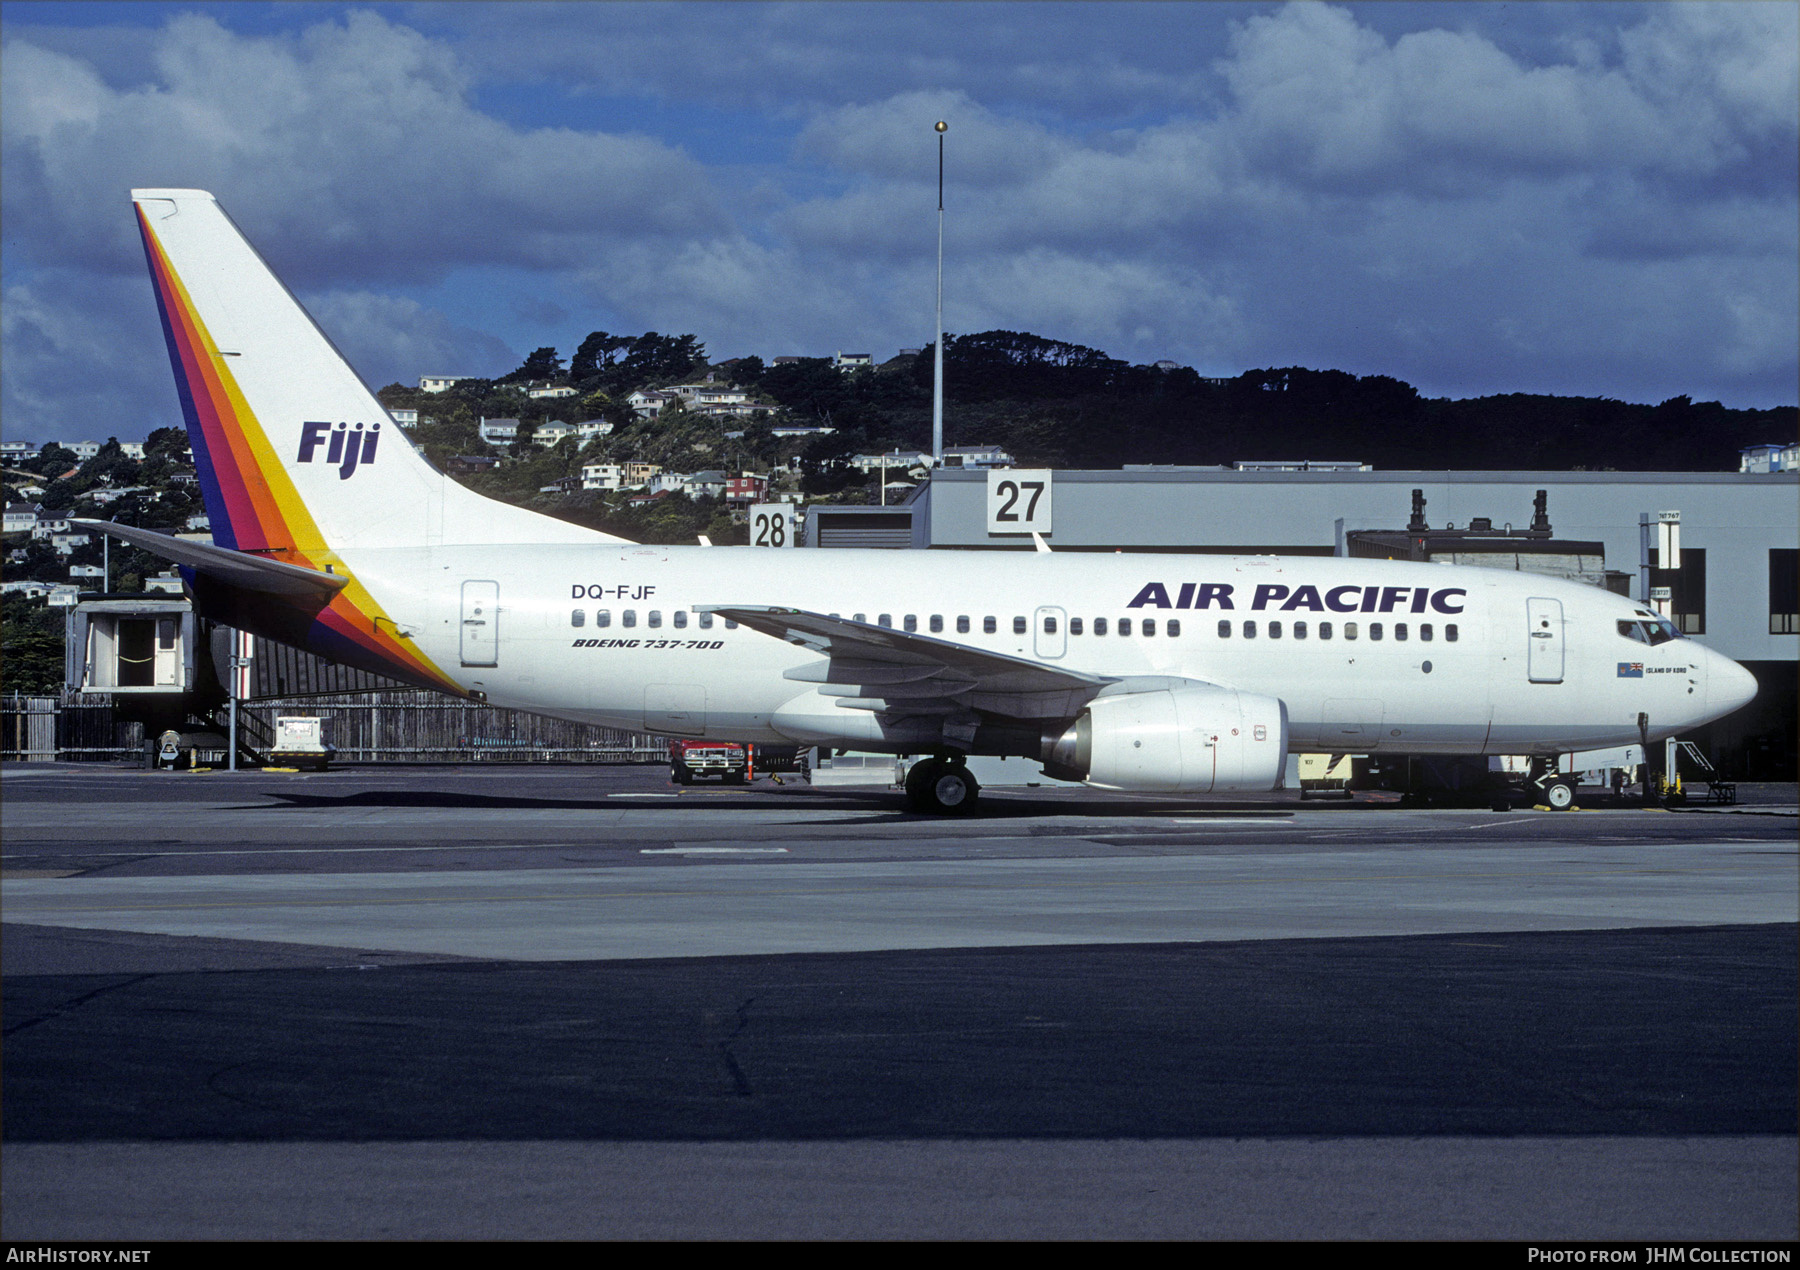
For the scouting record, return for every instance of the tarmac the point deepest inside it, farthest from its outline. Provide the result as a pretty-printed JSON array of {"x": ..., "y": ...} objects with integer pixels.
[{"x": 576, "y": 1002}]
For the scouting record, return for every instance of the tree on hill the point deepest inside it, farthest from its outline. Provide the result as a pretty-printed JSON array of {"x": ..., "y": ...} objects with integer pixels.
[
  {"x": 168, "y": 443},
  {"x": 544, "y": 363},
  {"x": 598, "y": 354},
  {"x": 621, "y": 364},
  {"x": 50, "y": 460}
]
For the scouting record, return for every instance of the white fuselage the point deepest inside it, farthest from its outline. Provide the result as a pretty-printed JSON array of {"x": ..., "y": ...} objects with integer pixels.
[{"x": 1367, "y": 655}]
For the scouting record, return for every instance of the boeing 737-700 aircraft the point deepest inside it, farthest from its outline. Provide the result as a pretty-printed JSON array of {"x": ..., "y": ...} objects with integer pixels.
[{"x": 1172, "y": 674}]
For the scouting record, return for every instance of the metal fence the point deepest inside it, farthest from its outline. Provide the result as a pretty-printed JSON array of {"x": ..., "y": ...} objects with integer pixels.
[
  {"x": 48, "y": 729},
  {"x": 366, "y": 727}
]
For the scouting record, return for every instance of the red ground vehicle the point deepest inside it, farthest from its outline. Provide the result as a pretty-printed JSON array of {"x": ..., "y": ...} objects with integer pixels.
[{"x": 728, "y": 760}]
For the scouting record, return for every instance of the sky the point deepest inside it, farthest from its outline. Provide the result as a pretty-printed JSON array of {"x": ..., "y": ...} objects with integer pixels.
[{"x": 1595, "y": 199}]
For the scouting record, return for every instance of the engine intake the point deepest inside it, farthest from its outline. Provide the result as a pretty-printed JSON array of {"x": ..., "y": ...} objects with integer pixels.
[{"x": 1194, "y": 739}]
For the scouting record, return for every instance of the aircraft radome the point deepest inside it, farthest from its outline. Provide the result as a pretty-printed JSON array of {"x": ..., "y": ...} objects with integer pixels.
[{"x": 1172, "y": 674}]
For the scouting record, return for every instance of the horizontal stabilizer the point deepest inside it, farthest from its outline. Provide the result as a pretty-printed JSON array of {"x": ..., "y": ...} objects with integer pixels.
[{"x": 252, "y": 573}]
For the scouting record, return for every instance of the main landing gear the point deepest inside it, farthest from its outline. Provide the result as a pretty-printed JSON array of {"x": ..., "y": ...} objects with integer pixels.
[{"x": 941, "y": 785}]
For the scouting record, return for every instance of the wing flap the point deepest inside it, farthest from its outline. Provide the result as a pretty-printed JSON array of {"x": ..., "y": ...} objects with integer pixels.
[{"x": 880, "y": 669}]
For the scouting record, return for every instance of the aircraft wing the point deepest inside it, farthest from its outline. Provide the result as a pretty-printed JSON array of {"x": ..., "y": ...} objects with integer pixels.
[
  {"x": 894, "y": 672},
  {"x": 238, "y": 568}
]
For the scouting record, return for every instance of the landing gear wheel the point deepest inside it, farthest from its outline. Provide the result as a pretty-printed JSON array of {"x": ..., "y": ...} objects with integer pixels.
[
  {"x": 941, "y": 787},
  {"x": 1559, "y": 795}
]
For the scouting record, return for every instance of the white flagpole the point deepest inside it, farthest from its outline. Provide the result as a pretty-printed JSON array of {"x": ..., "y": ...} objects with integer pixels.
[{"x": 937, "y": 366}]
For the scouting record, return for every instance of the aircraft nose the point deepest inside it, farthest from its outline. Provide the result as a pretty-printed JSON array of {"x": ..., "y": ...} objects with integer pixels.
[{"x": 1728, "y": 686}]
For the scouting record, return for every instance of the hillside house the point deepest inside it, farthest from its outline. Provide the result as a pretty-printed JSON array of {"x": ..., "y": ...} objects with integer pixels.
[
  {"x": 976, "y": 456},
  {"x": 649, "y": 404},
  {"x": 746, "y": 488},
  {"x": 500, "y": 432},
  {"x": 602, "y": 476}
]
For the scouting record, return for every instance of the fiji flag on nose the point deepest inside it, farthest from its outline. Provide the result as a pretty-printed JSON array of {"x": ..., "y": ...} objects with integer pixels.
[{"x": 1631, "y": 670}]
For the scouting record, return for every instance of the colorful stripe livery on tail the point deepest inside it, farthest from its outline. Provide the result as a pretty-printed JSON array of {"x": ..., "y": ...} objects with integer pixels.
[{"x": 296, "y": 458}]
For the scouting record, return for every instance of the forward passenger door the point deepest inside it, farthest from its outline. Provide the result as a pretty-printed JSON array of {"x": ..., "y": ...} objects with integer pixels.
[{"x": 1544, "y": 654}]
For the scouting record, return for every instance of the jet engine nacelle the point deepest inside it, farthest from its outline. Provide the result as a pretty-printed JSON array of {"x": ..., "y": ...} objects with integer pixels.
[{"x": 1193, "y": 738}]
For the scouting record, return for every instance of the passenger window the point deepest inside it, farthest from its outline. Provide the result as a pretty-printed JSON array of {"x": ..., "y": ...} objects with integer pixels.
[
  {"x": 578, "y": 618},
  {"x": 628, "y": 618},
  {"x": 1324, "y": 630},
  {"x": 656, "y": 618},
  {"x": 730, "y": 625},
  {"x": 1425, "y": 631},
  {"x": 1450, "y": 632},
  {"x": 680, "y": 618},
  {"x": 1099, "y": 626},
  {"x": 1349, "y": 630},
  {"x": 1224, "y": 630},
  {"x": 909, "y": 623},
  {"x": 1274, "y": 630},
  {"x": 706, "y": 621},
  {"x": 1149, "y": 626},
  {"x": 1299, "y": 630},
  {"x": 962, "y": 625},
  {"x": 1124, "y": 626},
  {"x": 1174, "y": 628},
  {"x": 1399, "y": 630},
  {"x": 937, "y": 623},
  {"x": 989, "y": 625},
  {"x": 1249, "y": 630},
  {"x": 1019, "y": 626},
  {"x": 886, "y": 619},
  {"x": 859, "y": 617},
  {"x": 1074, "y": 626},
  {"x": 602, "y": 617},
  {"x": 1374, "y": 630},
  {"x": 1049, "y": 625}
]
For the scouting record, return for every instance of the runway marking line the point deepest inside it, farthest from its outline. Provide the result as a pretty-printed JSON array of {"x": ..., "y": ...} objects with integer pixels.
[
  {"x": 712, "y": 850},
  {"x": 841, "y": 890}
]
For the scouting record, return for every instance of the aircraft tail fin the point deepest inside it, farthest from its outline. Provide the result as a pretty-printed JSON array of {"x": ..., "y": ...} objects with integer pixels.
[{"x": 296, "y": 457}]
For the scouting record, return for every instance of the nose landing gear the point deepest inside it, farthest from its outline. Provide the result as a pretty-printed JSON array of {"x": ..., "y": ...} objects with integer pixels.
[{"x": 1555, "y": 790}]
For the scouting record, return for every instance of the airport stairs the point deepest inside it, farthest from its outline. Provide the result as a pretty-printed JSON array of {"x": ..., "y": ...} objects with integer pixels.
[{"x": 1717, "y": 790}]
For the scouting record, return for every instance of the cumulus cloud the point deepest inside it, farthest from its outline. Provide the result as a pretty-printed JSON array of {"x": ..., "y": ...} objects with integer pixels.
[
  {"x": 1329, "y": 100},
  {"x": 353, "y": 147},
  {"x": 795, "y": 59},
  {"x": 78, "y": 365},
  {"x": 393, "y": 339},
  {"x": 1387, "y": 190}
]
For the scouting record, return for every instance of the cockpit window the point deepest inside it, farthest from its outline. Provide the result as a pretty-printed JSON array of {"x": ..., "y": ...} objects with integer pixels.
[{"x": 1650, "y": 630}]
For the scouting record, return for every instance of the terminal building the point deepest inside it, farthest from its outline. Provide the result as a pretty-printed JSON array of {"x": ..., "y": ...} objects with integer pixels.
[{"x": 1737, "y": 587}]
